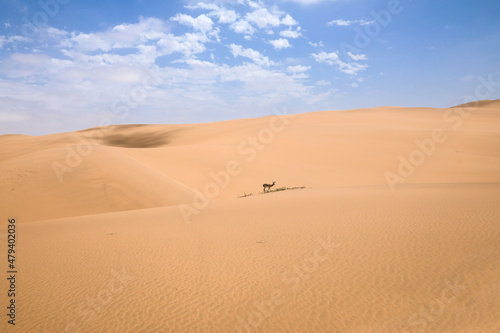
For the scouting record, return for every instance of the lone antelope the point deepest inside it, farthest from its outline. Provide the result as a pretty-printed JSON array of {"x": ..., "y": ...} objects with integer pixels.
[{"x": 268, "y": 186}]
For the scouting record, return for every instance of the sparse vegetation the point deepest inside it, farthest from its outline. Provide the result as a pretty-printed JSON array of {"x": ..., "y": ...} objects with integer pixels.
[
  {"x": 275, "y": 190},
  {"x": 285, "y": 189}
]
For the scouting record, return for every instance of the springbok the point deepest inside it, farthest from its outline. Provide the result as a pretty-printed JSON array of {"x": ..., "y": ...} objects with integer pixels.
[{"x": 268, "y": 186}]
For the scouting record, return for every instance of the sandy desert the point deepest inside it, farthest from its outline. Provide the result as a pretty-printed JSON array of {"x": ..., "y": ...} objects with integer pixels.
[{"x": 381, "y": 220}]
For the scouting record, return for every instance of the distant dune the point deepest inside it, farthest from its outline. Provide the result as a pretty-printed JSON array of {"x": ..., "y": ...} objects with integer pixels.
[{"x": 164, "y": 228}]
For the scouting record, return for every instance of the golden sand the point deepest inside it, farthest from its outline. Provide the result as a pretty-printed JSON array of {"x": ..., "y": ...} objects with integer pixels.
[{"x": 394, "y": 225}]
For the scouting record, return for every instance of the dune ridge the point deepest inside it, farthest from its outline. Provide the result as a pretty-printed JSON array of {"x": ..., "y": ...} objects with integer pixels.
[{"x": 328, "y": 149}]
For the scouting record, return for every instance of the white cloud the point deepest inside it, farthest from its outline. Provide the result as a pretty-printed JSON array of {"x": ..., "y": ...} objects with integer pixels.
[
  {"x": 333, "y": 59},
  {"x": 88, "y": 72},
  {"x": 323, "y": 83},
  {"x": 288, "y": 20},
  {"x": 149, "y": 37},
  {"x": 263, "y": 18},
  {"x": 291, "y": 33},
  {"x": 91, "y": 42},
  {"x": 243, "y": 27},
  {"x": 357, "y": 57},
  {"x": 129, "y": 35},
  {"x": 56, "y": 33},
  {"x": 329, "y": 58},
  {"x": 224, "y": 15},
  {"x": 340, "y": 22},
  {"x": 318, "y": 44},
  {"x": 201, "y": 23},
  {"x": 345, "y": 23},
  {"x": 307, "y": 2},
  {"x": 280, "y": 43},
  {"x": 227, "y": 16},
  {"x": 255, "y": 56},
  {"x": 252, "y": 4},
  {"x": 259, "y": 17},
  {"x": 120, "y": 36},
  {"x": 203, "y": 5},
  {"x": 263, "y": 86},
  {"x": 26, "y": 66},
  {"x": 188, "y": 44},
  {"x": 298, "y": 69}
]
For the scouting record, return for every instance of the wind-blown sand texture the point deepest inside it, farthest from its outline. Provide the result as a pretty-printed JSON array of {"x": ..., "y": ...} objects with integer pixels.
[{"x": 146, "y": 228}]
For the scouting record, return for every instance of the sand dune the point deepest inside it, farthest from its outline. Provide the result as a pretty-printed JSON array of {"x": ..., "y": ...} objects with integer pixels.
[{"x": 144, "y": 228}]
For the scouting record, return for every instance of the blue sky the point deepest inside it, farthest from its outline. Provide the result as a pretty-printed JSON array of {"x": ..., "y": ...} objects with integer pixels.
[{"x": 67, "y": 64}]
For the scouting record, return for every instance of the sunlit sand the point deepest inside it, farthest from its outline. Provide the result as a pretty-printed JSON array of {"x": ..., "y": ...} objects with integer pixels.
[{"x": 393, "y": 225}]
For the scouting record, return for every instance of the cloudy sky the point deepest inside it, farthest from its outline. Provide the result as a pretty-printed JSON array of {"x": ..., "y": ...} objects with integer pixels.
[{"x": 71, "y": 64}]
